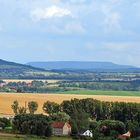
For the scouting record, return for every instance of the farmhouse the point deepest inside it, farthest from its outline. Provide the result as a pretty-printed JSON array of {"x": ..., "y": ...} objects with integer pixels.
[
  {"x": 61, "y": 128},
  {"x": 87, "y": 133},
  {"x": 3, "y": 84}
]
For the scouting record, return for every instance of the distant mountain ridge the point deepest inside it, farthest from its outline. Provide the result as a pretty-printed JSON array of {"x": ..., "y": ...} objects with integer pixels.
[
  {"x": 78, "y": 65},
  {"x": 9, "y": 65}
]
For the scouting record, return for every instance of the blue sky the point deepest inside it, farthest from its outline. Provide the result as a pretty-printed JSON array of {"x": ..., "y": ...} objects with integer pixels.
[{"x": 89, "y": 30}]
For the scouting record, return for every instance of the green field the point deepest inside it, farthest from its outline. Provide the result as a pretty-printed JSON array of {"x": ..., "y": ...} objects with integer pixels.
[
  {"x": 100, "y": 92},
  {"x": 32, "y": 138}
]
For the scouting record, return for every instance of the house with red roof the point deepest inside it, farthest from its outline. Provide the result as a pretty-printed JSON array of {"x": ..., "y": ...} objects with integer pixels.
[{"x": 61, "y": 128}]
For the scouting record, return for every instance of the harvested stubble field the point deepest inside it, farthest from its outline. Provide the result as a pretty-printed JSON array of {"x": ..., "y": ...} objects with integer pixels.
[
  {"x": 6, "y": 99},
  {"x": 28, "y": 81}
]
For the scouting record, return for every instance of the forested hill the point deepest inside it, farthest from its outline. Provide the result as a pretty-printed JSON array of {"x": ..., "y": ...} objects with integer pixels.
[
  {"x": 80, "y": 65},
  {"x": 9, "y": 65},
  {"x": 11, "y": 69}
]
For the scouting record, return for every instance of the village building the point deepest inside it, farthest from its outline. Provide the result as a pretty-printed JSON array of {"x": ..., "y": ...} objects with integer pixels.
[
  {"x": 126, "y": 135},
  {"x": 86, "y": 133},
  {"x": 61, "y": 128},
  {"x": 3, "y": 84}
]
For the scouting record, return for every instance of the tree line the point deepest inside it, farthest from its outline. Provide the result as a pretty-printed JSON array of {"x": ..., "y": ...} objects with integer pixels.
[
  {"x": 103, "y": 85},
  {"x": 118, "y": 117}
]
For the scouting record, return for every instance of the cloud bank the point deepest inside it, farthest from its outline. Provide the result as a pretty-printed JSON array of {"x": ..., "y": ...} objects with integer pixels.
[
  {"x": 50, "y": 12},
  {"x": 105, "y": 30}
]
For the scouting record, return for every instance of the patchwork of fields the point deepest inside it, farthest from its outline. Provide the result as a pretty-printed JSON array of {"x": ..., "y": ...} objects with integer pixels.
[{"x": 6, "y": 99}]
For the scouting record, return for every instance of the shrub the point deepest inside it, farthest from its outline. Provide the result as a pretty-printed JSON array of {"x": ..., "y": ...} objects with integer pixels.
[
  {"x": 5, "y": 121},
  {"x": 109, "y": 125},
  {"x": 35, "y": 124},
  {"x": 93, "y": 125},
  {"x": 2, "y": 125}
]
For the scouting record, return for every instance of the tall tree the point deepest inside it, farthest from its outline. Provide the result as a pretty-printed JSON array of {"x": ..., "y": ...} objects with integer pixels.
[
  {"x": 51, "y": 107},
  {"x": 22, "y": 110},
  {"x": 32, "y": 106},
  {"x": 60, "y": 116},
  {"x": 15, "y": 107}
]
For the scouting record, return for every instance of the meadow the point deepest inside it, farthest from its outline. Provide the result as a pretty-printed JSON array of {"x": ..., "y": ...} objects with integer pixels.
[
  {"x": 4, "y": 136},
  {"x": 29, "y": 138},
  {"x": 102, "y": 92}
]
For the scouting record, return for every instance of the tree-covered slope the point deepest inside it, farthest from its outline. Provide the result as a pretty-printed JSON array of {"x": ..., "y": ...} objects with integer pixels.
[{"x": 11, "y": 69}]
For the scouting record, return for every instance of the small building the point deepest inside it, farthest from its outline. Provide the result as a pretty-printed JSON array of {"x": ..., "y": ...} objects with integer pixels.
[
  {"x": 126, "y": 135},
  {"x": 86, "y": 133},
  {"x": 3, "y": 84},
  {"x": 61, "y": 128}
]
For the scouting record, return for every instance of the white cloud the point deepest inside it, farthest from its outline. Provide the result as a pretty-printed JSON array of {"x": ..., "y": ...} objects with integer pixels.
[{"x": 50, "y": 12}]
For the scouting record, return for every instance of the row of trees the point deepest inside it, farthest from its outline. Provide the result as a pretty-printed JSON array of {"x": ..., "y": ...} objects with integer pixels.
[
  {"x": 102, "y": 85},
  {"x": 95, "y": 109},
  {"x": 127, "y": 113},
  {"x": 34, "y": 86},
  {"x": 81, "y": 114},
  {"x": 43, "y": 87},
  {"x": 32, "y": 107}
]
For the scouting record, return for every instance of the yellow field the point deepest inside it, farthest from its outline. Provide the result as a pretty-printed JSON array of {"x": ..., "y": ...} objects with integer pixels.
[
  {"x": 28, "y": 81},
  {"x": 6, "y": 99}
]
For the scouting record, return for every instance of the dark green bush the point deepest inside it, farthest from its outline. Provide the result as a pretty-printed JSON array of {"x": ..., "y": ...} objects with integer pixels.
[
  {"x": 35, "y": 124},
  {"x": 107, "y": 126},
  {"x": 93, "y": 125},
  {"x": 2, "y": 125},
  {"x": 5, "y": 121}
]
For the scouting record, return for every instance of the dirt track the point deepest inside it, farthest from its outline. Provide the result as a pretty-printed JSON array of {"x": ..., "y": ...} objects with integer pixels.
[{"x": 6, "y": 99}]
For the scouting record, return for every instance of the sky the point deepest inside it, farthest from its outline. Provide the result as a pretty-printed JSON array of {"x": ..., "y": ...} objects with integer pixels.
[{"x": 82, "y": 30}]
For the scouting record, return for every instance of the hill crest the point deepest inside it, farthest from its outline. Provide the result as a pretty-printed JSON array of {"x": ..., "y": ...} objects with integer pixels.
[{"x": 85, "y": 65}]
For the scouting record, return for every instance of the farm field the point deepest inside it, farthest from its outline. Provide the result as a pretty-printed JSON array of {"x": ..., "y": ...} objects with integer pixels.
[
  {"x": 28, "y": 81},
  {"x": 101, "y": 92},
  {"x": 6, "y": 99}
]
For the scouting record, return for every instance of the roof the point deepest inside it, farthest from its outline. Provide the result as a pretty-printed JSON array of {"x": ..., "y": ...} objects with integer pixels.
[
  {"x": 60, "y": 124},
  {"x": 84, "y": 130},
  {"x": 128, "y": 134}
]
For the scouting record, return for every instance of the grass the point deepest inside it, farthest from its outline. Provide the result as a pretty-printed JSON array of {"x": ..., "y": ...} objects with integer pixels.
[
  {"x": 101, "y": 92},
  {"x": 32, "y": 138},
  {"x": 29, "y": 138}
]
